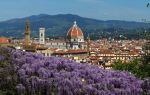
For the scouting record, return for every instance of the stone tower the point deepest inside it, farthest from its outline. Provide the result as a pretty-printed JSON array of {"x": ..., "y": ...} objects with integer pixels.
[
  {"x": 42, "y": 35},
  {"x": 27, "y": 33}
]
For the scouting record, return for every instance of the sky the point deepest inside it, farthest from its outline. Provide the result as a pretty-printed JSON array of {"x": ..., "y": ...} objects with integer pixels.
[{"x": 129, "y": 10}]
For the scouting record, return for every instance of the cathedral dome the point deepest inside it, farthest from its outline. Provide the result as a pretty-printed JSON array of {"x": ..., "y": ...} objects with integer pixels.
[{"x": 74, "y": 32}]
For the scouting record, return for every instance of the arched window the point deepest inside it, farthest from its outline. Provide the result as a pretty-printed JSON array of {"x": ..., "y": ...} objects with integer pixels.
[{"x": 41, "y": 35}]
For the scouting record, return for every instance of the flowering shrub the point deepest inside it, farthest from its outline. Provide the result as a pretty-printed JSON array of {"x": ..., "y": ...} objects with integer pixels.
[{"x": 35, "y": 74}]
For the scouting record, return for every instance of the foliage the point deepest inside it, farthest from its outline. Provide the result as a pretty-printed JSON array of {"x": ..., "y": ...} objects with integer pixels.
[
  {"x": 7, "y": 74},
  {"x": 34, "y": 74},
  {"x": 135, "y": 67},
  {"x": 139, "y": 67}
]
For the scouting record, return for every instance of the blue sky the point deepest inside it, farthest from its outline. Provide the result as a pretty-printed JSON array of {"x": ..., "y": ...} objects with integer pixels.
[{"x": 131, "y": 10}]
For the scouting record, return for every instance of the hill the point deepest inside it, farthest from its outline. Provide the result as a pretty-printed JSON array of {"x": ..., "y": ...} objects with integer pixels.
[{"x": 58, "y": 25}]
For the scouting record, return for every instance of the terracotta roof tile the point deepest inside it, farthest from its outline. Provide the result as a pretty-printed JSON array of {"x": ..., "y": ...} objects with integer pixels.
[
  {"x": 74, "y": 32},
  {"x": 4, "y": 40}
]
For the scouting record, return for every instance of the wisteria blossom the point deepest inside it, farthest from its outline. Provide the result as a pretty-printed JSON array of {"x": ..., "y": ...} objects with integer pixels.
[{"x": 39, "y": 75}]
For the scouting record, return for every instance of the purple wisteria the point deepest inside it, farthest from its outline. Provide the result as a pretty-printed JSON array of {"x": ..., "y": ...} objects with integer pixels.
[
  {"x": 2, "y": 58},
  {"x": 39, "y": 75}
]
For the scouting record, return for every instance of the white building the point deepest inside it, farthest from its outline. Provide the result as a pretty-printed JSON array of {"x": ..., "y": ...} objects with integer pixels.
[
  {"x": 42, "y": 36},
  {"x": 75, "y": 39},
  {"x": 61, "y": 44}
]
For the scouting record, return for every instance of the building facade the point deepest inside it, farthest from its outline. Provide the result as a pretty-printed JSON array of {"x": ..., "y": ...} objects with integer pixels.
[
  {"x": 74, "y": 39},
  {"x": 42, "y": 36}
]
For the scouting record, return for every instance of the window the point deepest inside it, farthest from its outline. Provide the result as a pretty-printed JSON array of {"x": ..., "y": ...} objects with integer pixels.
[{"x": 41, "y": 35}]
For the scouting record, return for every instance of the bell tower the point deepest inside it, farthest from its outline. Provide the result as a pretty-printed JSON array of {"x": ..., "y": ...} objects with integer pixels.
[
  {"x": 27, "y": 33},
  {"x": 42, "y": 36}
]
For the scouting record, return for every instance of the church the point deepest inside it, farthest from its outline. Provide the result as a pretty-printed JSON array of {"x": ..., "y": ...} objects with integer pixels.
[{"x": 74, "y": 39}]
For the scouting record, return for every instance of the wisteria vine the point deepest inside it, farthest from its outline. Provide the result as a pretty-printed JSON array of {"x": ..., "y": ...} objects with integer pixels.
[{"x": 39, "y": 75}]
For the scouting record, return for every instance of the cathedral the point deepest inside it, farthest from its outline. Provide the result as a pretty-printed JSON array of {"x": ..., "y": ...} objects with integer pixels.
[{"x": 74, "y": 39}]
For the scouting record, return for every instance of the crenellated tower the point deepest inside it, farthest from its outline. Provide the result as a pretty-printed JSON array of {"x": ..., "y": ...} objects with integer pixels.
[{"x": 27, "y": 33}]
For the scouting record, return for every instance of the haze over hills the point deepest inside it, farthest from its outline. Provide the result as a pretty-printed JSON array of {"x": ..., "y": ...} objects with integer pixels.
[{"x": 58, "y": 25}]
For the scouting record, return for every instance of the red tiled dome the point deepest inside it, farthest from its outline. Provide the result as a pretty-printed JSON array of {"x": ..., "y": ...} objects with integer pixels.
[{"x": 74, "y": 32}]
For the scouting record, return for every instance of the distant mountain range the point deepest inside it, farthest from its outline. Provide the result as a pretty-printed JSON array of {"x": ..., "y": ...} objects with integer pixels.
[{"x": 58, "y": 25}]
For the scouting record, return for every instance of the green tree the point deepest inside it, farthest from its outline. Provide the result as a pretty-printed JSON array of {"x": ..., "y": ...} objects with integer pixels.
[{"x": 136, "y": 67}]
